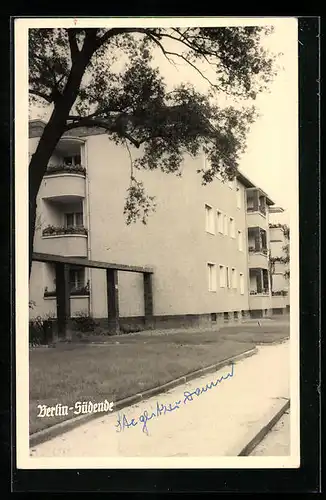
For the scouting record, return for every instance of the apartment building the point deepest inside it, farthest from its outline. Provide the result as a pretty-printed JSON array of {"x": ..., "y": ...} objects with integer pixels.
[{"x": 208, "y": 245}]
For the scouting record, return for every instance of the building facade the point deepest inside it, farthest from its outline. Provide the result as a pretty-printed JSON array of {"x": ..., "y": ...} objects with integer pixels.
[{"x": 208, "y": 245}]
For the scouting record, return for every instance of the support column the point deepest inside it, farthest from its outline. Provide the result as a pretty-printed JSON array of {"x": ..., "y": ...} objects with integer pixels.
[
  {"x": 148, "y": 300},
  {"x": 256, "y": 200},
  {"x": 113, "y": 300},
  {"x": 260, "y": 281},
  {"x": 63, "y": 298}
]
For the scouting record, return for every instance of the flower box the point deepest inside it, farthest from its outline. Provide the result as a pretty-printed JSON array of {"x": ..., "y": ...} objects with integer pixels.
[
  {"x": 61, "y": 230},
  {"x": 69, "y": 169}
]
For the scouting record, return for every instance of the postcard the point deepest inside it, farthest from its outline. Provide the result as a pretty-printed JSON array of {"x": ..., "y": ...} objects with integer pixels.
[{"x": 157, "y": 242}]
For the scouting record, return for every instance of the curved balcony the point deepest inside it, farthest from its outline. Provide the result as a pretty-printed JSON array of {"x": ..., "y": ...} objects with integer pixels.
[
  {"x": 69, "y": 242},
  {"x": 62, "y": 181}
]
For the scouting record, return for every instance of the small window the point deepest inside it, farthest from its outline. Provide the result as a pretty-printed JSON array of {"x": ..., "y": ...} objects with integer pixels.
[
  {"x": 241, "y": 283},
  {"x": 76, "y": 278},
  {"x": 240, "y": 242},
  {"x": 226, "y": 223},
  {"x": 72, "y": 160},
  {"x": 214, "y": 317},
  {"x": 211, "y": 269},
  {"x": 220, "y": 222},
  {"x": 233, "y": 278},
  {"x": 232, "y": 228},
  {"x": 74, "y": 219},
  {"x": 222, "y": 276},
  {"x": 209, "y": 213}
]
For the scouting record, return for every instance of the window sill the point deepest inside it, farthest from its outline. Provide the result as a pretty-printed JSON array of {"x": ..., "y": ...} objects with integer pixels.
[{"x": 209, "y": 232}]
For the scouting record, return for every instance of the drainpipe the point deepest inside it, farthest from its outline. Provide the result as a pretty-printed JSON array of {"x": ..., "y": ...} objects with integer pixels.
[{"x": 87, "y": 213}]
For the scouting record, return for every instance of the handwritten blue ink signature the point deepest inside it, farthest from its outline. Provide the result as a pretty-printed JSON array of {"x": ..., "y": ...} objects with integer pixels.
[{"x": 161, "y": 409}]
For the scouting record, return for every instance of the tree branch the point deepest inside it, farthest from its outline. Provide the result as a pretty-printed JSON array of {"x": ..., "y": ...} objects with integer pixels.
[
  {"x": 42, "y": 95},
  {"x": 101, "y": 123}
]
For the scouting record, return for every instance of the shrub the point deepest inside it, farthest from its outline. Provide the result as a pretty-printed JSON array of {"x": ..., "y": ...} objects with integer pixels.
[
  {"x": 84, "y": 322},
  {"x": 36, "y": 331},
  {"x": 130, "y": 328}
]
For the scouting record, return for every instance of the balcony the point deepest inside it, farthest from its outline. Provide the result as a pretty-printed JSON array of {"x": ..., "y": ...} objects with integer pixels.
[
  {"x": 256, "y": 208},
  {"x": 66, "y": 241},
  {"x": 62, "y": 181},
  {"x": 260, "y": 301},
  {"x": 259, "y": 294},
  {"x": 280, "y": 299},
  {"x": 258, "y": 258}
]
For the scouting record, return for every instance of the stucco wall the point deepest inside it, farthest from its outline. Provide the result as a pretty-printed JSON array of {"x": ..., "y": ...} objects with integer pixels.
[{"x": 174, "y": 241}]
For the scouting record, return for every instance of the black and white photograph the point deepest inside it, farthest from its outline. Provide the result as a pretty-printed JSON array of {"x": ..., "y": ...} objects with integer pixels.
[{"x": 157, "y": 242}]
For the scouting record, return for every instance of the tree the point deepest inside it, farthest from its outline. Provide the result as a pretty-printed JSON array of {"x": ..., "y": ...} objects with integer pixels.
[{"x": 106, "y": 78}]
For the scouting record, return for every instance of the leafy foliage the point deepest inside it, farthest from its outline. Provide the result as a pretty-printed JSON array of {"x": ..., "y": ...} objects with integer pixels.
[{"x": 107, "y": 78}]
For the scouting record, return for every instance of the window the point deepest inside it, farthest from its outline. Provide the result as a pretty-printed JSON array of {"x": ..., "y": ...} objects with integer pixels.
[
  {"x": 233, "y": 278},
  {"x": 219, "y": 221},
  {"x": 239, "y": 198},
  {"x": 211, "y": 268},
  {"x": 228, "y": 277},
  {"x": 222, "y": 277},
  {"x": 209, "y": 219},
  {"x": 231, "y": 183},
  {"x": 74, "y": 219},
  {"x": 225, "y": 225},
  {"x": 240, "y": 245},
  {"x": 232, "y": 228},
  {"x": 72, "y": 160},
  {"x": 241, "y": 283},
  {"x": 76, "y": 278}
]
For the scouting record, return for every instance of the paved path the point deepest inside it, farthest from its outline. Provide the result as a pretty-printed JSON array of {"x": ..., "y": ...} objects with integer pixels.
[
  {"x": 209, "y": 425},
  {"x": 277, "y": 442}
]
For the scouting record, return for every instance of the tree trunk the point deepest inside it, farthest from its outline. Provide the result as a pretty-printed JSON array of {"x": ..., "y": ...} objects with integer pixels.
[{"x": 52, "y": 134}]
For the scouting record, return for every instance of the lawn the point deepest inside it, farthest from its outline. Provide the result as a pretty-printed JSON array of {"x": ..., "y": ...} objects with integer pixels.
[{"x": 127, "y": 364}]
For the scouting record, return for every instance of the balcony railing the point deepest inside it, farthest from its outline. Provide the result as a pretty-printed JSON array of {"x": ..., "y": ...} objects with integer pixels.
[
  {"x": 84, "y": 290},
  {"x": 61, "y": 230},
  {"x": 284, "y": 293},
  {"x": 65, "y": 169},
  {"x": 260, "y": 208},
  {"x": 263, "y": 292}
]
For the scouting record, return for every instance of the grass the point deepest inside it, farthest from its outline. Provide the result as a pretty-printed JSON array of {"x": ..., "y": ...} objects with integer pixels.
[{"x": 128, "y": 364}]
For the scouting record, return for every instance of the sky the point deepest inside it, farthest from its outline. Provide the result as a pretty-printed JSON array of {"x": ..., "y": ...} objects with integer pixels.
[{"x": 270, "y": 160}]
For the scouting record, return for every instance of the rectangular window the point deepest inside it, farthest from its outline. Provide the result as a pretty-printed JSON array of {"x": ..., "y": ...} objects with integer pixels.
[
  {"x": 226, "y": 225},
  {"x": 211, "y": 269},
  {"x": 76, "y": 278},
  {"x": 234, "y": 278},
  {"x": 239, "y": 196},
  {"x": 220, "y": 222},
  {"x": 209, "y": 214},
  {"x": 241, "y": 283},
  {"x": 222, "y": 277},
  {"x": 72, "y": 160},
  {"x": 231, "y": 183},
  {"x": 240, "y": 242},
  {"x": 228, "y": 277},
  {"x": 74, "y": 219},
  {"x": 232, "y": 228}
]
